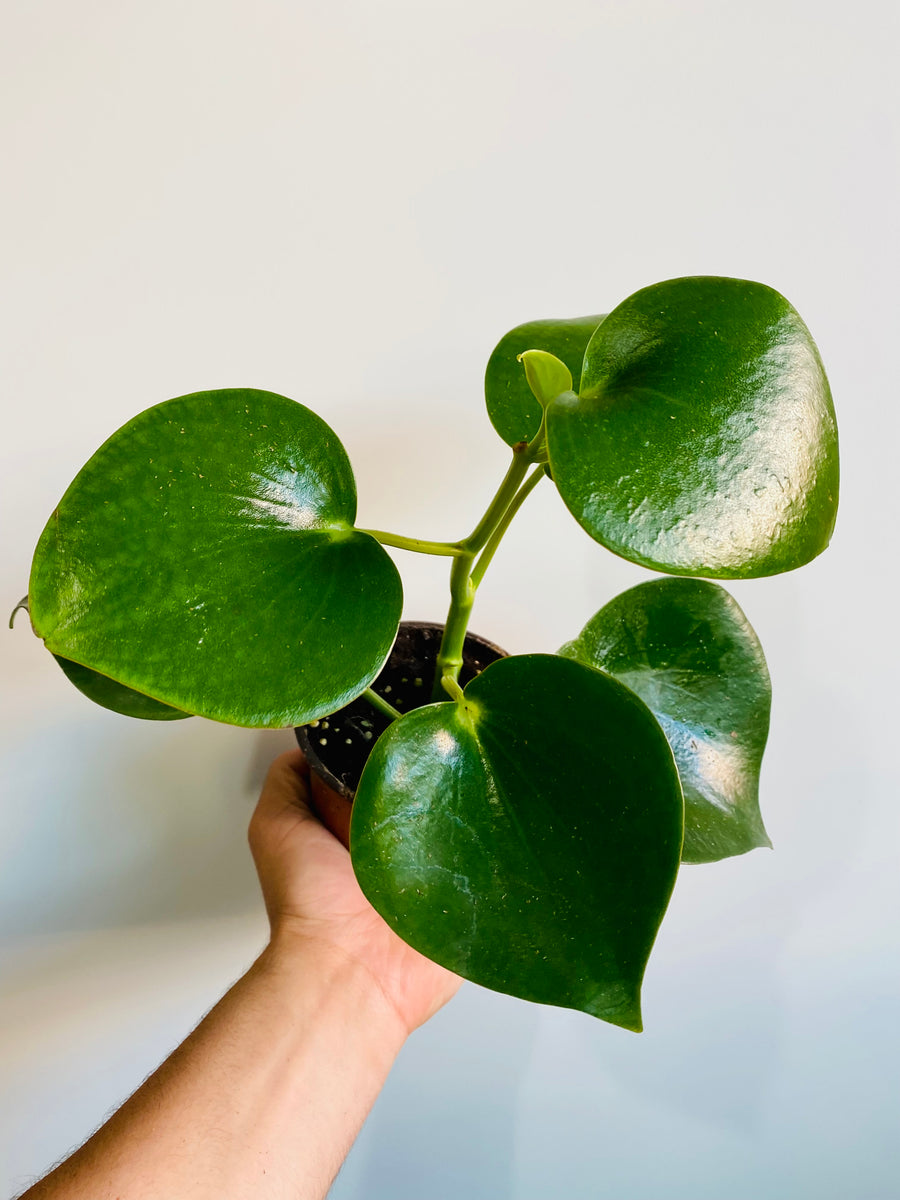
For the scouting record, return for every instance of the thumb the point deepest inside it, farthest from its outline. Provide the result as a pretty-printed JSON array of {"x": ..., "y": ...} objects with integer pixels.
[{"x": 285, "y": 798}]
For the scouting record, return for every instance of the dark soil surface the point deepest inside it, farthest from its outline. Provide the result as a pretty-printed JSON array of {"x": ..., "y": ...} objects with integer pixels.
[{"x": 343, "y": 742}]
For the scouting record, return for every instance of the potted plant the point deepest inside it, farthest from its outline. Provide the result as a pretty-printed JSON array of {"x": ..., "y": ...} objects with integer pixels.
[{"x": 520, "y": 820}]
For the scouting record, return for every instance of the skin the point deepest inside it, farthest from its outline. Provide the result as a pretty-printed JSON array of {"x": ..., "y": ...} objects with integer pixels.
[{"x": 266, "y": 1096}]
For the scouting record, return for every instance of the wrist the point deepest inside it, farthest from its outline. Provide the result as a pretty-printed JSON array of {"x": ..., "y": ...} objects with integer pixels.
[{"x": 338, "y": 985}]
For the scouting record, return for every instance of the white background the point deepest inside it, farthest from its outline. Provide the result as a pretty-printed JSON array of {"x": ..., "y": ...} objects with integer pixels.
[{"x": 349, "y": 203}]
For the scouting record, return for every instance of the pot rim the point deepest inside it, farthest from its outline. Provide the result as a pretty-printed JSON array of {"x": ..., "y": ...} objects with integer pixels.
[{"x": 304, "y": 740}]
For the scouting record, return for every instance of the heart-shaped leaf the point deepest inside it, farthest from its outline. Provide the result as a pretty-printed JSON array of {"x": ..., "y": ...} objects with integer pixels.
[
  {"x": 206, "y": 557},
  {"x": 703, "y": 440},
  {"x": 685, "y": 647},
  {"x": 527, "y": 836},
  {"x": 514, "y": 410},
  {"x": 115, "y": 696}
]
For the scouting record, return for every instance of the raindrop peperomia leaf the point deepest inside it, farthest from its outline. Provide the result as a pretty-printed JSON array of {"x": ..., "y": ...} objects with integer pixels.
[
  {"x": 206, "y": 557},
  {"x": 115, "y": 696},
  {"x": 527, "y": 836},
  {"x": 703, "y": 438},
  {"x": 686, "y": 648},
  {"x": 514, "y": 410}
]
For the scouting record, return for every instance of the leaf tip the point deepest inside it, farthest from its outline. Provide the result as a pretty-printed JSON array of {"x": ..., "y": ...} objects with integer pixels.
[
  {"x": 620, "y": 1006},
  {"x": 632, "y": 1020}
]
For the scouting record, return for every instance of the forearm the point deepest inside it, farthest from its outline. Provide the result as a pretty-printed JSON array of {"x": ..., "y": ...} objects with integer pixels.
[{"x": 264, "y": 1098}]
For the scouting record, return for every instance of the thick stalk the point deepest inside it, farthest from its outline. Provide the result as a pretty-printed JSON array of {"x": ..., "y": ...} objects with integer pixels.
[
  {"x": 518, "y": 469},
  {"x": 494, "y": 540},
  {"x": 462, "y": 597},
  {"x": 463, "y": 581}
]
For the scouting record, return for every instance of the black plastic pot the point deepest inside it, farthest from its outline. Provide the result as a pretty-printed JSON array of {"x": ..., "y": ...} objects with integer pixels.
[{"x": 337, "y": 747}]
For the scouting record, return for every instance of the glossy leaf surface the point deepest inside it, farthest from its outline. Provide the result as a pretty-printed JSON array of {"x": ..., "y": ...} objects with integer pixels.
[
  {"x": 547, "y": 375},
  {"x": 115, "y": 696},
  {"x": 206, "y": 557},
  {"x": 703, "y": 440},
  {"x": 514, "y": 410},
  {"x": 528, "y": 836},
  {"x": 686, "y": 648}
]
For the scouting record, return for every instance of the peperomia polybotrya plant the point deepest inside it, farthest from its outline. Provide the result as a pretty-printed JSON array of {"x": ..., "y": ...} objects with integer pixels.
[{"x": 526, "y": 830}]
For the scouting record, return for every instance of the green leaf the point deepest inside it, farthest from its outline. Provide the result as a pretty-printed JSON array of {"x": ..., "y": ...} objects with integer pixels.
[
  {"x": 685, "y": 647},
  {"x": 547, "y": 375},
  {"x": 109, "y": 694},
  {"x": 703, "y": 440},
  {"x": 514, "y": 410},
  {"x": 527, "y": 836},
  {"x": 206, "y": 557}
]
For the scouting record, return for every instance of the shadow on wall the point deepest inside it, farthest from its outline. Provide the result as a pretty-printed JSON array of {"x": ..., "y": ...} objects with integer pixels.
[
  {"x": 119, "y": 822},
  {"x": 456, "y": 1139}
]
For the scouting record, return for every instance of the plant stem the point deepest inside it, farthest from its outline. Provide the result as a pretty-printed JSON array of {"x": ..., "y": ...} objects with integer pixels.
[
  {"x": 417, "y": 544},
  {"x": 451, "y": 686},
  {"x": 494, "y": 540},
  {"x": 466, "y": 574},
  {"x": 518, "y": 469},
  {"x": 382, "y": 705},
  {"x": 450, "y": 654}
]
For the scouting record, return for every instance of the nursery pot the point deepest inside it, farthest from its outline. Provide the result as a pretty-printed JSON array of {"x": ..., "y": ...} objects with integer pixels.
[{"x": 338, "y": 746}]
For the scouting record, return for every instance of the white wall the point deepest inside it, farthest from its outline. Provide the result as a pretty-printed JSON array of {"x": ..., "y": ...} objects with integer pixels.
[{"x": 349, "y": 203}]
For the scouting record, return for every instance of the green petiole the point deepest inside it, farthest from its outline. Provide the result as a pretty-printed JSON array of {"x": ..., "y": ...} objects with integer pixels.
[
  {"x": 472, "y": 557},
  {"x": 494, "y": 540},
  {"x": 382, "y": 705},
  {"x": 451, "y": 687},
  {"x": 468, "y": 569},
  {"x": 419, "y": 545}
]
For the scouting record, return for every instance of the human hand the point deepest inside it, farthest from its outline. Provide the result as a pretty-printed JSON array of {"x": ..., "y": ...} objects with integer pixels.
[{"x": 311, "y": 893}]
